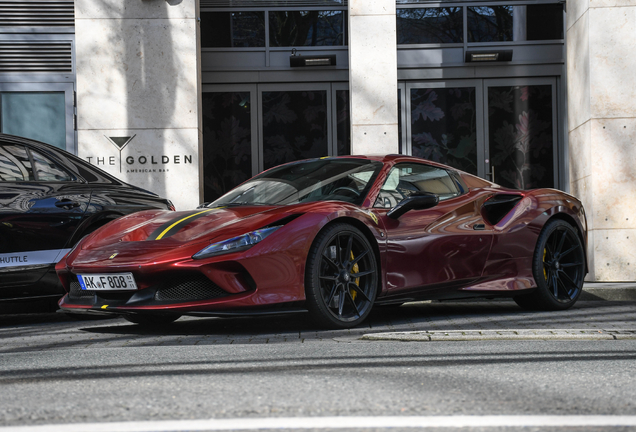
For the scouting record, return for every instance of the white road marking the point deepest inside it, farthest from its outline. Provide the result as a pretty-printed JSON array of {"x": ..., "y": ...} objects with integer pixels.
[{"x": 422, "y": 422}]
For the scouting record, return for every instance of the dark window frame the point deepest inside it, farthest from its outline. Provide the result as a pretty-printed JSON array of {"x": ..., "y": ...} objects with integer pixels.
[
  {"x": 268, "y": 46},
  {"x": 423, "y": 4}
]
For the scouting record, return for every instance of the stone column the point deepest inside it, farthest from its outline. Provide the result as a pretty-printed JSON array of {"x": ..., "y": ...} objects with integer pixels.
[
  {"x": 139, "y": 93},
  {"x": 373, "y": 76},
  {"x": 602, "y": 130}
]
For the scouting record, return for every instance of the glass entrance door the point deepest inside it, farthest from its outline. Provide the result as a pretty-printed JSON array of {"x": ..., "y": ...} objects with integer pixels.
[
  {"x": 503, "y": 130},
  {"x": 250, "y": 128},
  {"x": 445, "y": 123},
  {"x": 522, "y": 132}
]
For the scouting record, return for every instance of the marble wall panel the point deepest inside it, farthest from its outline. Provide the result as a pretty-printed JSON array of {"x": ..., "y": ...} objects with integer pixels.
[
  {"x": 614, "y": 176},
  {"x": 615, "y": 255},
  {"x": 136, "y": 9},
  {"x": 373, "y": 76},
  {"x": 591, "y": 274},
  {"x": 371, "y": 7},
  {"x": 580, "y": 151},
  {"x": 373, "y": 70},
  {"x": 611, "y": 3},
  {"x": 578, "y": 70},
  {"x": 575, "y": 10},
  {"x": 375, "y": 139},
  {"x": 164, "y": 161},
  {"x": 137, "y": 73},
  {"x": 611, "y": 35},
  {"x": 582, "y": 189}
]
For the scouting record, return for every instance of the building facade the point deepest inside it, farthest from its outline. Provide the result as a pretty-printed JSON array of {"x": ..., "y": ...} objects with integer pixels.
[{"x": 189, "y": 98}]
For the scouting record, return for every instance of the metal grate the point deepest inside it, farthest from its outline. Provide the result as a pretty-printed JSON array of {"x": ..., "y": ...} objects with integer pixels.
[
  {"x": 42, "y": 13},
  {"x": 199, "y": 288},
  {"x": 27, "y": 56},
  {"x": 76, "y": 291},
  {"x": 271, "y": 3}
]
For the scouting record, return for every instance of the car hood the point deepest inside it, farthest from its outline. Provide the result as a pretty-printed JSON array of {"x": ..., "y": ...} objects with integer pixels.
[{"x": 160, "y": 229}]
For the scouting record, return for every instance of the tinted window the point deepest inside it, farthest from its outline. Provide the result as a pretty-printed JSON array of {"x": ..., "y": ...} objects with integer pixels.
[
  {"x": 306, "y": 28},
  {"x": 295, "y": 126},
  {"x": 227, "y": 145},
  {"x": 544, "y": 22},
  {"x": 406, "y": 178},
  {"x": 232, "y": 29},
  {"x": 15, "y": 164},
  {"x": 515, "y": 23},
  {"x": 315, "y": 180},
  {"x": 47, "y": 170},
  {"x": 444, "y": 126},
  {"x": 490, "y": 24},
  {"x": 430, "y": 25},
  {"x": 343, "y": 126},
  {"x": 37, "y": 115}
]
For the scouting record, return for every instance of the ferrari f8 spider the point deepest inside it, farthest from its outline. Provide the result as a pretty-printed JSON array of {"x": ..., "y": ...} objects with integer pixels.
[{"x": 334, "y": 237}]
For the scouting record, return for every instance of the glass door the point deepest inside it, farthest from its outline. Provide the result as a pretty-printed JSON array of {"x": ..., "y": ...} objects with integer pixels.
[
  {"x": 522, "y": 151},
  {"x": 230, "y": 142},
  {"x": 504, "y": 130},
  {"x": 253, "y": 127},
  {"x": 445, "y": 123},
  {"x": 294, "y": 122}
]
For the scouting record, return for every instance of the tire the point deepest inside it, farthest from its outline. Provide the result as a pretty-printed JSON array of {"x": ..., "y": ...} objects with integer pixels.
[
  {"x": 558, "y": 267},
  {"x": 148, "y": 320},
  {"x": 341, "y": 277}
]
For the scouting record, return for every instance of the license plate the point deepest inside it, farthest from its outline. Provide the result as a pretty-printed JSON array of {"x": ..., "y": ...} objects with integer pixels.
[{"x": 112, "y": 281}]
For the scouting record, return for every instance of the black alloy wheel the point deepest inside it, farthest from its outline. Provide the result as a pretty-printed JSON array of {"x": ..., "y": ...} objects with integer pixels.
[
  {"x": 558, "y": 267},
  {"x": 341, "y": 277}
]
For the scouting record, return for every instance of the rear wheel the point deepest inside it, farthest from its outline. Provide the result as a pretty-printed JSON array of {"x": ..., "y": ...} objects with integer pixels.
[
  {"x": 558, "y": 267},
  {"x": 341, "y": 277},
  {"x": 152, "y": 319}
]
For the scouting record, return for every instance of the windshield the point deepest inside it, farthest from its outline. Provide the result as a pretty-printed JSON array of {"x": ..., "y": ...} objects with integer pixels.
[{"x": 315, "y": 180}]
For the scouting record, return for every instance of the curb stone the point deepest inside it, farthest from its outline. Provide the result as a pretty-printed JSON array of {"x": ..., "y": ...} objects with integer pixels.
[
  {"x": 472, "y": 335},
  {"x": 612, "y": 291}
]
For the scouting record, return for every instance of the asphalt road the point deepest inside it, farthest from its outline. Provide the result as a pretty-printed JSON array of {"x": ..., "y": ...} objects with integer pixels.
[{"x": 59, "y": 371}]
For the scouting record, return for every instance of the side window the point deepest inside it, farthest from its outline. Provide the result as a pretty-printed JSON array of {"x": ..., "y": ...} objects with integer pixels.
[
  {"x": 406, "y": 178},
  {"x": 47, "y": 170},
  {"x": 15, "y": 164}
]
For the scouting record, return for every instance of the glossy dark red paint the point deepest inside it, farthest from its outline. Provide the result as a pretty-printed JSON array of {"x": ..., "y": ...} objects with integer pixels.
[{"x": 448, "y": 251}]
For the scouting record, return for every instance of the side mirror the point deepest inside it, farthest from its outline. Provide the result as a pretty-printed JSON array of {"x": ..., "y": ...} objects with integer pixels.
[
  {"x": 204, "y": 205},
  {"x": 416, "y": 201}
]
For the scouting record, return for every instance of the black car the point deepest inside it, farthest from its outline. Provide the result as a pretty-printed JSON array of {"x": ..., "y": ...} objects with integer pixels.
[{"x": 49, "y": 200}]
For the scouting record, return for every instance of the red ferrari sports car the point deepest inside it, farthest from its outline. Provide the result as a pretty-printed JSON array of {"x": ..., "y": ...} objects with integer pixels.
[{"x": 334, "y": 237}]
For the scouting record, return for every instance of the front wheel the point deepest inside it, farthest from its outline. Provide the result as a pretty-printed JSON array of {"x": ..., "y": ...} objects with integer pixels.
[
  {"x": 341, "y": 277},
  {"x": 558, "y": 267}
]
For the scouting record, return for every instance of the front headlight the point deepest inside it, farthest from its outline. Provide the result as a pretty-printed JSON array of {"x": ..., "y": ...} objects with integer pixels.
[{"x": 235, "y": 244}]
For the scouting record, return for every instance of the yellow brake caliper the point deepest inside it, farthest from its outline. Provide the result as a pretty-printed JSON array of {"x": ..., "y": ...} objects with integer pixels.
[
  {"x": 354, "y": 269},
  {"x": 545, "y": 273}
]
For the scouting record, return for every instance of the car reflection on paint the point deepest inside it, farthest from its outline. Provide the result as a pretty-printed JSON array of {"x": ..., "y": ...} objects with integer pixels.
[
  {"x": 49, "y": 199},
  {"x": 334, "y": 237}
]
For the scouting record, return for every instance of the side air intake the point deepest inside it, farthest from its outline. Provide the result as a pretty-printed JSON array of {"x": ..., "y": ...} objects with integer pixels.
[{"x": 498, "y": 206}]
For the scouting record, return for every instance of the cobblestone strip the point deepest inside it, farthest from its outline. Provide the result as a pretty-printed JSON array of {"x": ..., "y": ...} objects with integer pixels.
[{"x": 470, "y": 335}]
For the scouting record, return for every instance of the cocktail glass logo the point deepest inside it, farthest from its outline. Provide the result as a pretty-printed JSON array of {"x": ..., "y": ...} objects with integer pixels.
[{"x": 120, "y": 143}]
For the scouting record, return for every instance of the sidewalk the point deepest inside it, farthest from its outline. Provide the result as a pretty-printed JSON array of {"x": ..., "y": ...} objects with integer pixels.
[{"x": 612, "y": 291}]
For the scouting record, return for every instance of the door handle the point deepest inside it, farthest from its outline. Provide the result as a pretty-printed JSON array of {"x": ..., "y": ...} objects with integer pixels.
[{"x": 67, "y": 204}]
